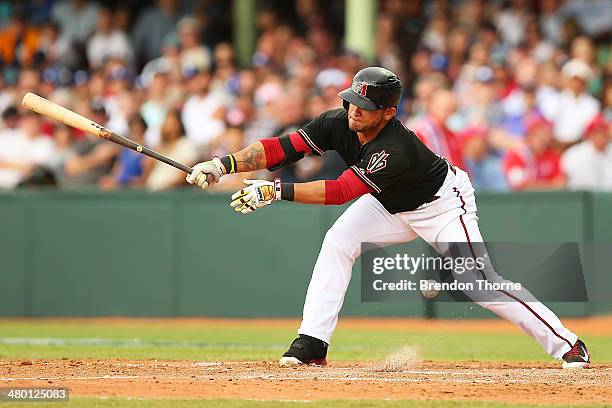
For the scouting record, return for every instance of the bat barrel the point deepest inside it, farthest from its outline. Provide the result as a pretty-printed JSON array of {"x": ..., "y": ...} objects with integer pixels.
[{"x": 52, "y": 110}]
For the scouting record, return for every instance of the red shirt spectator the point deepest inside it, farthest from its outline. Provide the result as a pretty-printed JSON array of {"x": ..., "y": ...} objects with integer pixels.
[
  {"x": 535, "y": 165},
  {"x": 432, "y": 130}
]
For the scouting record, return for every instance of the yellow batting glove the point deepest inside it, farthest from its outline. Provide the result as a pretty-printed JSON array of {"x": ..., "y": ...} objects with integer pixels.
[{"x": 257, "y": 194}]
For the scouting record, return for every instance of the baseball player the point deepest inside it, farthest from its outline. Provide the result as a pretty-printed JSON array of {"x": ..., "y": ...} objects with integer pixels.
[{"x": 403, "y": 191}]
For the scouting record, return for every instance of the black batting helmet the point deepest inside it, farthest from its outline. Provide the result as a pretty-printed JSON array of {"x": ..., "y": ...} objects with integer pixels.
[{"x": 373, "y": 88}]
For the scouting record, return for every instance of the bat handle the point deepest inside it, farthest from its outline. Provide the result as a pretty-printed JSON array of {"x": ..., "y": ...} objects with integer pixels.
[{"x": 130, "y": 144}]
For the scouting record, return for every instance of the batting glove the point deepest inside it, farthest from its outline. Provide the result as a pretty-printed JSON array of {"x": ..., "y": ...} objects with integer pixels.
[
  {"x": 207, "y": 173},
  {"x": 257, "y": 194}
]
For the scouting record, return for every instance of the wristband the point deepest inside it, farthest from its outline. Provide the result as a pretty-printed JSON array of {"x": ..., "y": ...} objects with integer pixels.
[
  {"x": 229, "y": 162},
  {"x": 283, "y": 191},
  {"x": 287, "y": 191},
  {"x": 277, "y": 189}
]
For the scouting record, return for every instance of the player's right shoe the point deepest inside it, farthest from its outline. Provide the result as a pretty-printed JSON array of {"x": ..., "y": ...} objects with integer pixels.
[
  {"x": 305, "y": 350},
  {"x": 577, "y": 357}
]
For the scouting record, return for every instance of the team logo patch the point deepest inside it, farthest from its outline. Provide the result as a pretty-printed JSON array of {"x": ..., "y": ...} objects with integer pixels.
[
  {"x": 378, "y": 161},
  {"x": 360, "y": 87}
]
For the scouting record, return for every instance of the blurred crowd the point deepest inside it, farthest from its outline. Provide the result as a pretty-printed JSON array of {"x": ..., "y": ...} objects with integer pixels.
[{"x": 518, "y": 93}]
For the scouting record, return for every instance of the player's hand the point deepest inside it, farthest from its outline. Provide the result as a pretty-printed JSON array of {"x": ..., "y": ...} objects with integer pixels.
[
  {"x": 257, "y": 194},
  {"x": 206, "y": 173}
]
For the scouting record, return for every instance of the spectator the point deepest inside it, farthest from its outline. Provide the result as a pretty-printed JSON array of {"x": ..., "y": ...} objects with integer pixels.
[
  {"x": 502, "y": 60},
  {"x": 329, "y": 82},
  {"x": 549, "y": 82},
  {"x": 107, "y": 42},
  {"x": 514, "y": 123},
  {"x": 433, "y": 130},
  {"x": 148, "y": 42},
  {"x": 63, "y": 136},
  {"x": 194, "y": 56},
  {"x": 170, "y": 61},
  {"x": 23, "y": 150},
  {"x": 424, "y": 88},
  {"x": 55, "y": 48},
  {"x": 588, "y": 165},
  {"x": 226, "y": 78},
  {"x": 160, "y": 176},
  {"x": 511, "y": 22},
  {"x": 582, "y": 48},
  {"x": 483, "y": 165},
  {"x": 551, "y": 20},
  {"x": 127, "y": 170},
  {"x": 434, "y": 36},
  {"x": 515, "y": 103},
  {"x": 18, "y": 43},
  {"x": 265, "y": 123},
  {"x": 89, "y": 159},
  {"x": 593, "y": 16},
  {"x": 535, "y": 44},
  {"x": 154, "y": 110},
  {"x": 480, "y": 107},
  {"x": 387, "y": 52},
  {"x": 121, "y": 108},
  {"x": 10, "y": 120},
  {"x": 574, "y": 108},
  {"x": 457, "y": 48},
  {"x": 203, "y": 112},
  {"x": 77, "y": 19},
  {"x": 535, "y": 165}
]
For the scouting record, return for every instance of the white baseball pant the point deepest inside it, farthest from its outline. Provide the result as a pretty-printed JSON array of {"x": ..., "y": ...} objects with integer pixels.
[{"x": 450, "y": 218}]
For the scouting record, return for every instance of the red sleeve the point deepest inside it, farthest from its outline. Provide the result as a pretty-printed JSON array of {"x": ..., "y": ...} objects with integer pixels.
[
  {"x": 347, "y": 187},
  {"x": 299, "y": 144},
  {"x": 275, "y": 154},
  {"x": 274, "y": 151}
]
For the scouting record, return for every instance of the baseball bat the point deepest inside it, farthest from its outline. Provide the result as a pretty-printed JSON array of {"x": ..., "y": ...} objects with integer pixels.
[{"x": 52, "y": 110}]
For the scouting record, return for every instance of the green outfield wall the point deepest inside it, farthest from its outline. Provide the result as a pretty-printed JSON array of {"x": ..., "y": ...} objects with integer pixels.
[{"x": 187, "y": 253}]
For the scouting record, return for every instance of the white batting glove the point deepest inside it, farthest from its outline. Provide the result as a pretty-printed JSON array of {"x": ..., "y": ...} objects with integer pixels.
[
  {"x": 206, "y": 173},
  {"x": 257, "y": 194}
]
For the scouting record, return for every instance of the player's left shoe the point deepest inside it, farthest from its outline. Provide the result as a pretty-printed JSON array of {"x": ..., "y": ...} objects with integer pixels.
[
  {"x": 577, "y": 357},
  {"x": 305, "y": 350}
]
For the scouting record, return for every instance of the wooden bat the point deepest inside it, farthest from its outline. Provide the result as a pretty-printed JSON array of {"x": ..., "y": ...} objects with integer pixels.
[{"x": 52, "y": 110}]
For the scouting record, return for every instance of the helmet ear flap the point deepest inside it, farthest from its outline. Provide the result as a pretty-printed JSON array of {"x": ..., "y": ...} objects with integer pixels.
[{"x": 345, "y": 104}]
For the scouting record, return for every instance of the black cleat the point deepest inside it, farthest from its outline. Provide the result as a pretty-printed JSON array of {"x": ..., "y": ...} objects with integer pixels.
[
  {"x": 305, "y": 350},
  {"x": 577, "y": 357}
]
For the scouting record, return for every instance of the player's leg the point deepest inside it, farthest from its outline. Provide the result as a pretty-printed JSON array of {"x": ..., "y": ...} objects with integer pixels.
[
  {"x": 520, "y": 306},
  {"x": 366, "y": 220},
  {"x": 453, "y": 220}
]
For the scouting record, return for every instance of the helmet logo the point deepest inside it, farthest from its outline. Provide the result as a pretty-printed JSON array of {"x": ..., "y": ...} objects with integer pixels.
[
  {"x": 360, "y": 87},
  {"x": 378, "y": 161}
]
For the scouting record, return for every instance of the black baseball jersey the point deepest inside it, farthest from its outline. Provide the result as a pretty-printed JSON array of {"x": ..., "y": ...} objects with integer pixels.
[{"x": 401, "y": 170}]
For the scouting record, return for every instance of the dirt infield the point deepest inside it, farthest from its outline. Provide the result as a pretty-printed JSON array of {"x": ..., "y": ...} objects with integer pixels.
[
  {"x": 267, "y": 381},
  {"x": 533, "y": 382}
]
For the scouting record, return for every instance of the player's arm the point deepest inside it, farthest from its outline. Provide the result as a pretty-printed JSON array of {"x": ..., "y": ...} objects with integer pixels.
[
  {"x": 259, "y": 193},
  {"x": 272, "y": 153}
]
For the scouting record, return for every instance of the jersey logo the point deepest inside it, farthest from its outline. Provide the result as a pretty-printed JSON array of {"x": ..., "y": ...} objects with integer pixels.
[{"x": 378, "y": 161}]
